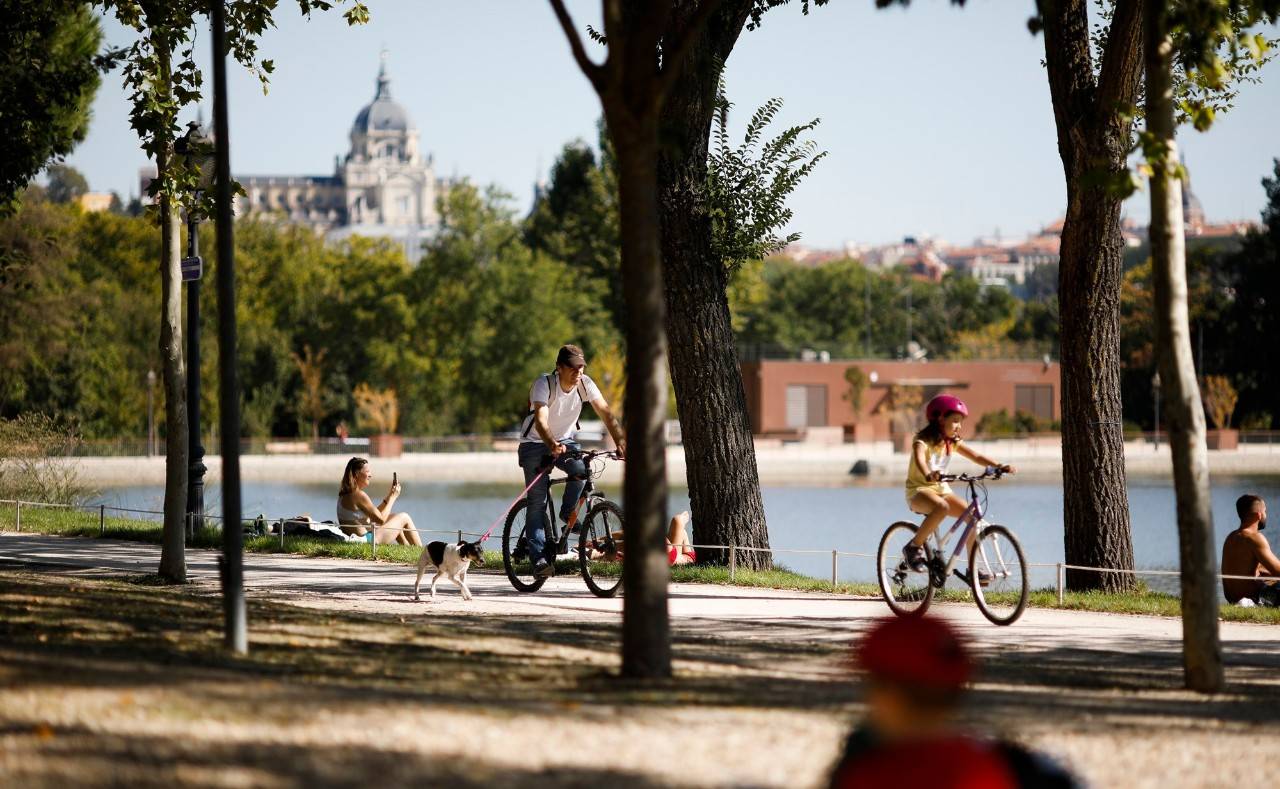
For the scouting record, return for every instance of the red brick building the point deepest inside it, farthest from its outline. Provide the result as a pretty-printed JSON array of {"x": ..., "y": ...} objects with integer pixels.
[{"x": 792, "y": 397}]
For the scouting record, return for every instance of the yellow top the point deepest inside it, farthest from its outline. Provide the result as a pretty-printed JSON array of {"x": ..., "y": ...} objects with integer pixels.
[{"x": 937, "y": 458}]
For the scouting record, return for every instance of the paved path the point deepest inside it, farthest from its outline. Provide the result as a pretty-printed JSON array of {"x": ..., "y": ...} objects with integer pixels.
[{"x": 732, "y": 611}]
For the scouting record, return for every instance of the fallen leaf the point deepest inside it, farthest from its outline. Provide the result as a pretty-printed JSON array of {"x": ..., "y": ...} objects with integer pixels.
[{"x": 44, "y": 731}]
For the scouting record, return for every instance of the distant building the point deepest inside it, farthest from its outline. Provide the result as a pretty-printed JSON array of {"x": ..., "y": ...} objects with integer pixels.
[
  {"x": 383, "y": 187},
  {"x": 93, "y": 202},
  {"x": 789, "y": 398}
]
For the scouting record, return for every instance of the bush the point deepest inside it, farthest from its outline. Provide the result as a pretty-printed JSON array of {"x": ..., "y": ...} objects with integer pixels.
[
  {"x": 1000, "y": 423},
  {"x": 37, "y": 461}
]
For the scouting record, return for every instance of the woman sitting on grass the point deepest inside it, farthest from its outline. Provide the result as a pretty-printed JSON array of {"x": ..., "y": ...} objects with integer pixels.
[{"x": 358, "y": 516}]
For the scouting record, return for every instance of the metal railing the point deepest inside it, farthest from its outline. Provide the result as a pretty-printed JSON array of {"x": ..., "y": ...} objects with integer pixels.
[{"x": 190, "y": 519}]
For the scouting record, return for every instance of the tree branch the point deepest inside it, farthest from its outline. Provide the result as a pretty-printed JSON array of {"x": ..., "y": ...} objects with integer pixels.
[
  {"x": 1121, "y": 74},
  {"x": 591, "y": 70}
]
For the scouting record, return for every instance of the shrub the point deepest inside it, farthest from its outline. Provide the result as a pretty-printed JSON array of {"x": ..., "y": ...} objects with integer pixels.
[{"x": 37, "y": 461}]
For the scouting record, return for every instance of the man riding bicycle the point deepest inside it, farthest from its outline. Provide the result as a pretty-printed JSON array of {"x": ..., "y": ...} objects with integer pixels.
[{"x": 547, "y": 434}]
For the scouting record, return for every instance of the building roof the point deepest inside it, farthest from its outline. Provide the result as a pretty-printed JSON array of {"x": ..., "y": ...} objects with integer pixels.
[{"x": 382, "y": 114}]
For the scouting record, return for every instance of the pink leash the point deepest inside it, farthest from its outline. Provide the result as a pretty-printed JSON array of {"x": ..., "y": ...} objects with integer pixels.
[{"x": 513, "y": 504}]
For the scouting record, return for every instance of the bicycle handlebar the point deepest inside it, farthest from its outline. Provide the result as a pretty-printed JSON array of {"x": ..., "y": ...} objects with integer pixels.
[
  {"x": 990, "y": 472},
  {"x": 584, "y": 455}
]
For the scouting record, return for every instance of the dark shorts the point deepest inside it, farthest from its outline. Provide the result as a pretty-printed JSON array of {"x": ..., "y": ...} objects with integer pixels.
[{"x": 1269, "y": 595}]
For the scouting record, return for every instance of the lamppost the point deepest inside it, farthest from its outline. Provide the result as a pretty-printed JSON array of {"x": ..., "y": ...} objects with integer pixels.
[
  {"x": 151, "y": 414},
  {"x": 198, "y": 150}
]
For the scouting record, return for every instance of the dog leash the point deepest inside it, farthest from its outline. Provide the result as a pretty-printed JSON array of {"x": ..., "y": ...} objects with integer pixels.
[{"x": 513, "y": 504}]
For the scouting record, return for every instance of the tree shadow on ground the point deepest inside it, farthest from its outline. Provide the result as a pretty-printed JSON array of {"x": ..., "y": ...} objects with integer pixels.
[
  {"x": 55, "y": 759},
  {"x": 60, "y": 635}
]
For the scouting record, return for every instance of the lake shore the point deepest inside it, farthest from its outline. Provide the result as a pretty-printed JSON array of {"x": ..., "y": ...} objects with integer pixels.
[{"x": 789, "y": 464}]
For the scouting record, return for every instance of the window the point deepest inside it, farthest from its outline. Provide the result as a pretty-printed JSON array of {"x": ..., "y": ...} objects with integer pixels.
[
  {"x": 1035, "y": 399},
  {"x": 806, "y": 406}
]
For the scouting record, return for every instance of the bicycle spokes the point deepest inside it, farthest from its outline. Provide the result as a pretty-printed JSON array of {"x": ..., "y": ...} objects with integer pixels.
[{"x": 998, "y": 575}]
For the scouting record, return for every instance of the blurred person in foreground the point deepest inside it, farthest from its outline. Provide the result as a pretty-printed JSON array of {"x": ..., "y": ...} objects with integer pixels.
[{"x": 916, "y": 670}]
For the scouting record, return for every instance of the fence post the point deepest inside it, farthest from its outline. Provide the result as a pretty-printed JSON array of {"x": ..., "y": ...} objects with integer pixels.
[
  {"x": 733, "y": 561},
  {"x": 835, "y": 558},
  {"x": 373, "y": 544},
  {"x": 1062, "y": 581},
  {"x": 17, "y": 516},
  {"x": 282, "y": 535},
  {"x": 459, "y": 535},
  {"x": 102, "y": 520}
]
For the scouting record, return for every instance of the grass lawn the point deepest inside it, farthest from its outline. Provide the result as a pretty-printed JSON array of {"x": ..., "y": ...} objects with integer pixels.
[{"x": 86, "y": 523}]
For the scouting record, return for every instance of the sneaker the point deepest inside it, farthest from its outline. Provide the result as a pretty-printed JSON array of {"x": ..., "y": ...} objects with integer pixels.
[
  {"x": 984, "y": 577},
  {"x": 916, "y": 558},
  {"x": 544, "y": 569}
]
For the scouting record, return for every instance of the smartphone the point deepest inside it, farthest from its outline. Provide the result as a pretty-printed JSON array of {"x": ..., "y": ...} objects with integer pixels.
[{"x": 395, "y": 479}]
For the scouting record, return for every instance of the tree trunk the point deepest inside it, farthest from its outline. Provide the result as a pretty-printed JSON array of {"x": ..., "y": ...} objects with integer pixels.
[
  {"x": 646, "y": 633},
  {"x": 1093, "y": 141},
  {"x": 173, "y": 563},
  {"x": 720, "y": 461},
  {"x": 1184, "y": 413}
]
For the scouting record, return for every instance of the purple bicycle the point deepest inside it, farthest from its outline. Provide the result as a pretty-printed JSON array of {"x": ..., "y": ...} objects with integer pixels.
[{"x": 996, "y": 569}]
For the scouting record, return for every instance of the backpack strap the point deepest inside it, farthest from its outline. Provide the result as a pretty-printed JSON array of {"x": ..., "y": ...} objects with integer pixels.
[{"x": 551, "y": 396}]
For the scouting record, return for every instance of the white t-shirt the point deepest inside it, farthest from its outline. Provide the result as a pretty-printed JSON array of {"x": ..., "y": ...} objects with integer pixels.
[{"x": 563, "y": 408}]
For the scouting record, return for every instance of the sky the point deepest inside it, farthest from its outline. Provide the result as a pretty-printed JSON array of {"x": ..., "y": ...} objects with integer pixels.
[{"x": 937, "y": 119}]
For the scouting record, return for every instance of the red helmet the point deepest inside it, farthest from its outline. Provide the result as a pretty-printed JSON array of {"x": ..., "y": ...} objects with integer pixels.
[
  {"x": 917, "y": 650},
  {"x": 944, "y": 404}
]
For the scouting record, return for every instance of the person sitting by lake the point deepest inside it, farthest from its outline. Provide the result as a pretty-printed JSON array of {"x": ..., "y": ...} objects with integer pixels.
[
  {"x": 679, "y": 548},
  {"x": 358, "y": 516},
  {"x": 1246, "y": 552}
]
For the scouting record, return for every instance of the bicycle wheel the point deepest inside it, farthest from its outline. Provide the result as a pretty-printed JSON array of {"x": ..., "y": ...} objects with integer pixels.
[
  {"x": 515, "y": 551},
  {"x": 907, "y": 591},
  {"x": 1003, "y": 598},
  {"x": 599, "y": 549}
]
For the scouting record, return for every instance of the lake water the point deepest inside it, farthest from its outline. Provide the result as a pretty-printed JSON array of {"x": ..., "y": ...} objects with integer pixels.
[{"x": 848, "y": 518}]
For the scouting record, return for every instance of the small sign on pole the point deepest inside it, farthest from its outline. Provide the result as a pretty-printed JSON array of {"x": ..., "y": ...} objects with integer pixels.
[{"x": 192, "y": 268}]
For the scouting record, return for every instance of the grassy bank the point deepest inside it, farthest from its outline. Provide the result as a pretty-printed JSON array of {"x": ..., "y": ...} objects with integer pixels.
[{"x": 89, "y": 523}]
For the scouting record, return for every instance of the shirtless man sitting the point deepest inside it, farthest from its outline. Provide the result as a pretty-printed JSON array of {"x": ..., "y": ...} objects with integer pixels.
[{"x": 1246, "y": 552}]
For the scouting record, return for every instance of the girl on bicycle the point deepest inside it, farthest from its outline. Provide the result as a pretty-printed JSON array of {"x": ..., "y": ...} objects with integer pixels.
[{"x": 931, "y": 453}]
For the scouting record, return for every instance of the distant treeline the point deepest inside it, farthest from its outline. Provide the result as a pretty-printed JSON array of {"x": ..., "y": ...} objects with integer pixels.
[{"x": 459, "y": 335}]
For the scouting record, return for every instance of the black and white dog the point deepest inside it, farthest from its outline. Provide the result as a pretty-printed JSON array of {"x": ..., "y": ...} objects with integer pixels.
[{"x": 450, "y": 560}]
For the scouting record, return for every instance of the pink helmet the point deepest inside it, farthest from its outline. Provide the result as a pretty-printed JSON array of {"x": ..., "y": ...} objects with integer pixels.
[{"x": 944, "y": 404}]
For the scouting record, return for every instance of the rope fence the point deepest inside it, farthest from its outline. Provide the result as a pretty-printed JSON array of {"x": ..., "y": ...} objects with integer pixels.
[{"x": 1060, "y": 568}]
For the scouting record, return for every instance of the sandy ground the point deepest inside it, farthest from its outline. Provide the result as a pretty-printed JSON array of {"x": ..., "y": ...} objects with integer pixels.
[{"x": 349, "y": 682}]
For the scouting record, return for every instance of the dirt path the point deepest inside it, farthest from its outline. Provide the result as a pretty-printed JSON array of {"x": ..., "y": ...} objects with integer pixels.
[{"x": 349, "y": 683}]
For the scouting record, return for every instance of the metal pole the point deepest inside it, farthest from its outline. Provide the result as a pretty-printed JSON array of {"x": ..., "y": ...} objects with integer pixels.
[
  {"x": 459, "y": 535},
  {"x": 1062, "y": 582},
  {"x": 102, "y": 519},
  {"x": 733, "y": 561},
  {"x": 231, "y": 563},
  {"x": 835, "y": 558},
  {"x": 17, "y": 518},
  {"x": 196, "y": 467}
]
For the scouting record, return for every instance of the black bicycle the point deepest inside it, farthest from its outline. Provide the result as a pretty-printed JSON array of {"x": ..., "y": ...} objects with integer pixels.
[{"x": 597, "y": 522}]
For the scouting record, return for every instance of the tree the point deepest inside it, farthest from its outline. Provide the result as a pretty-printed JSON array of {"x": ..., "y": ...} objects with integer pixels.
[
  {"x": 1203, "y": 26},
  {"x": 160, "y": 71},
  {"x": 48, "y": 78},
  {"x": 576, "y": 221},
  {"x": 633, "y": 84},
  {"x": 66, "y": 183},
  {"x": 1252, "y": 317},
  {"x": 1093, "y": 143}
]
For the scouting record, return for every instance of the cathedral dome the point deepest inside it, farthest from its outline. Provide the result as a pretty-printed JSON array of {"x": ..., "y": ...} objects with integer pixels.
[{"x": 382, "y": 114}]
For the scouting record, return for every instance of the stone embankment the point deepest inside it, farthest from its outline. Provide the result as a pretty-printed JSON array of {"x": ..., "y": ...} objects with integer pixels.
[{"x": 787, "y": 464}]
